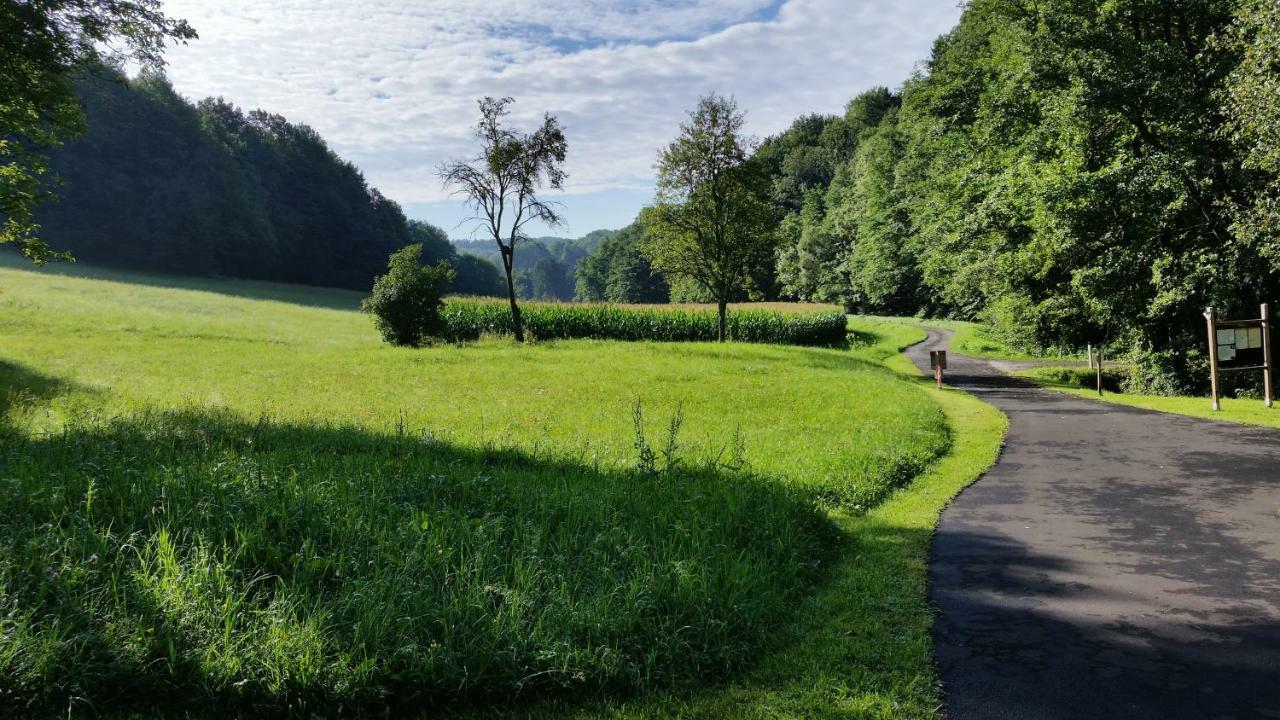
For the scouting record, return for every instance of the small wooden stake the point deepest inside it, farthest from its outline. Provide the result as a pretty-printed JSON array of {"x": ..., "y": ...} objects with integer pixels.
[
  {"x": 1212, "y": 319},
  {"x": 1099, "y": 372},
  {"x": 937, "y": 374}
]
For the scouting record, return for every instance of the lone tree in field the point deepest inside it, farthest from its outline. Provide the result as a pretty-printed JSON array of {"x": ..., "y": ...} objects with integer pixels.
[
  {"x": 501, "y": 184},
  {"x": 42, "y": 46},
  {"x": 711, "y": 220}
]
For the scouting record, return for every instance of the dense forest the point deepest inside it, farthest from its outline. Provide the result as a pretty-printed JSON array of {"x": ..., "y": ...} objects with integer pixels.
[
  {"x": 618, "y": 272},
  {"x": 157, "y": 183},
  {"x": 1068, "y": 172}
]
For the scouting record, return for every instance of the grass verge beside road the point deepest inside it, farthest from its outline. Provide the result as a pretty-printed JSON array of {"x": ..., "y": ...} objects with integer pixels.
[
  {"x": 972, "y": 339},
  {"x": 1236, "y": 410}
]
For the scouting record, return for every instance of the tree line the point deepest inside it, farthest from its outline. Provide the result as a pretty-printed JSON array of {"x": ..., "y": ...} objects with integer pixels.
[
  {"x": 160, "y": 184},
  {"x": 546, "y": 267},
  {"x": 1065, "y": 171}
]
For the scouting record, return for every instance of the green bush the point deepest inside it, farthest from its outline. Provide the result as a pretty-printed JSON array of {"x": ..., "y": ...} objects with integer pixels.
[
  {"x": 406, "y": 302},
  {"x": 469, "y": 320},
  {"x": 1114, "y": 378},
  {"x": 1165, "y": 372}
]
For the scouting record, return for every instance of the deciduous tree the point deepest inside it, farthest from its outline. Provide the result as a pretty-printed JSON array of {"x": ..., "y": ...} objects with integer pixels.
[
  {"x": 711, "y": 222},
  {"x": 43, "y": 43}
]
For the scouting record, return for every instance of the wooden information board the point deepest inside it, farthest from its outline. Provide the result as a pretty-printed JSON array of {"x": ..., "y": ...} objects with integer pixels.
[{"x": 1236, "y": 345}]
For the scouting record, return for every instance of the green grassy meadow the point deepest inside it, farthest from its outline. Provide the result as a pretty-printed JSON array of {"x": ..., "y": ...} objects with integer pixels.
[
  {"x": 860, "y": 645},
  {"x": 245, "y": 498},
  {"x": 972, "y": 339}
]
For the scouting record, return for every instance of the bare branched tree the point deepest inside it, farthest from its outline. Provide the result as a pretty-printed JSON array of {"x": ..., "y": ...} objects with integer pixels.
[{"x": 501, "y": 184}]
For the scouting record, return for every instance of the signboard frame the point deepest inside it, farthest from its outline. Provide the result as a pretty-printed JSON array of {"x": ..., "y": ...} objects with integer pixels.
[{"x": 1227, "y": 338}]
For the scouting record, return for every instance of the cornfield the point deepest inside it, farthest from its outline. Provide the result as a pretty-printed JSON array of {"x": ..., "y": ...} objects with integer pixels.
[{"x": 471, "y": 319}]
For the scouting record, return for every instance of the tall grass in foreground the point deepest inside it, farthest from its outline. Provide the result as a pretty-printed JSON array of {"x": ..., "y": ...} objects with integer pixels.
[
  {"x": 859, "y": 646},
  {"x": 196, "y": 557},
  {"x": 472, "y": 319}
]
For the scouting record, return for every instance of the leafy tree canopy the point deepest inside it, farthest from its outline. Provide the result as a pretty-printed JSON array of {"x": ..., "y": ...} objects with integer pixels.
[
  {"x": 711, "y": 222},
  {"x": 43, "y": 44}
]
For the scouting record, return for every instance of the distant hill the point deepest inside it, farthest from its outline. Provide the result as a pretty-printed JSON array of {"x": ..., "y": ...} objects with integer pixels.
[
  {"x": 568, "y": 251},
  {"x": 545, "y": 267}
]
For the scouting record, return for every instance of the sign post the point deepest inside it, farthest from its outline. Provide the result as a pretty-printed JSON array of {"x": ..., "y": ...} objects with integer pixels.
[
  {"x": 1236, "y": 345},
  {"x": 938, "y": 361},
  {"x": 1212, "y": 317},
  {"x": 1266, "y": 352},
  {"x": 1099, "y": 371}
]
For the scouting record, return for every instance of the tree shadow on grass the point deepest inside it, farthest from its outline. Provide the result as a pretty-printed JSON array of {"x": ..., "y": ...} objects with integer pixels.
[
  {"x": 310, "y": 296},
  {"x": 1004, "y": 647},
  {"x": 22, "y": 387},
  {"x": 854, "y": 647},
  {"x": 200, "y": 563}
]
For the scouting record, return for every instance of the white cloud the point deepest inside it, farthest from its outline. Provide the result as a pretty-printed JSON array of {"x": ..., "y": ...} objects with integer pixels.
[{"x": 392, "y": 84}]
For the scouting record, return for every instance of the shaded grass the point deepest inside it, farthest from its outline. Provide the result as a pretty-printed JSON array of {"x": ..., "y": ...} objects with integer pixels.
[
  {"x": 180, "y": 559},
  {"x": 1082, "y": 378},
  {"x": 331, "y": 298},
  {"x": 1237, "y": 410}
]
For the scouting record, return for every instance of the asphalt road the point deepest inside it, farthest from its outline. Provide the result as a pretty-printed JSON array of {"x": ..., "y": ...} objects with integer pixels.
[{"x": 1115, "y": 563}]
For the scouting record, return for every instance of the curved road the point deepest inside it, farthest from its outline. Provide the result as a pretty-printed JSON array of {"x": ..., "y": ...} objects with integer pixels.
[{"x": 1114, "y": 563}]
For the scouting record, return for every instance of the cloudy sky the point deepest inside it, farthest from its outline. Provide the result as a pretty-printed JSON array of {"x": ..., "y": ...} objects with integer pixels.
[{"x": 392, "y": 84}]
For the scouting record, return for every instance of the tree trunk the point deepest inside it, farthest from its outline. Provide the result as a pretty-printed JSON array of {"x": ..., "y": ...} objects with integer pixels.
[
  {"x": 723, "y": 325},
  {"x": 517, "y": 322}
]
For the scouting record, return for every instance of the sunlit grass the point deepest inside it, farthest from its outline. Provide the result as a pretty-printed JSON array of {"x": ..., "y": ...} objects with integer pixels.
[
  {"x": 860, "y": 647},
  {"x": 123, "y": 348}
]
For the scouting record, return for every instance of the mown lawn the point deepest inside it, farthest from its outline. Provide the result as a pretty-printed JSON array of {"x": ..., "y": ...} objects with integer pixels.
[
  {"x": 972, "y": 339},
  {"x": 208, "y": 498}
]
